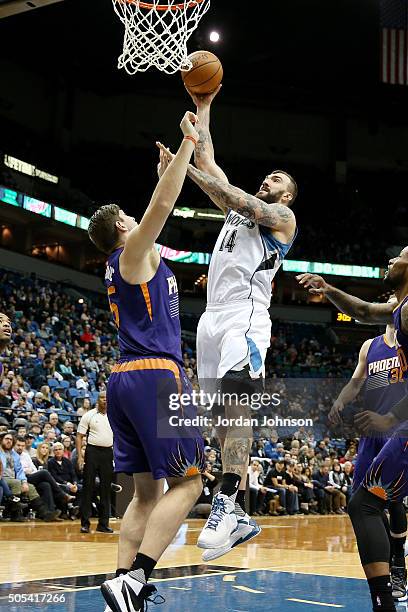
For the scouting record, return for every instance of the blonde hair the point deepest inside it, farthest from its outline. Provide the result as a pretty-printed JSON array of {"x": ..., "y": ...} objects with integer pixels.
[{"x": 39, "y": 457}]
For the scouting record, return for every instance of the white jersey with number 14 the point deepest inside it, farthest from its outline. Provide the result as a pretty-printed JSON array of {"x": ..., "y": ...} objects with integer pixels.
[{"x": 244, "y": 262}]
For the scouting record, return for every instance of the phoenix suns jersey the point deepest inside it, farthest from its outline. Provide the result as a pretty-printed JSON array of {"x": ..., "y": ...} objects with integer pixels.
[{"x": 146, "y": 315}]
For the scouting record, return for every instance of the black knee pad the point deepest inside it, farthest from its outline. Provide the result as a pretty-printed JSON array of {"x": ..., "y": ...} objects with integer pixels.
[
  {"x": 218, "y": 410},
  {"x": 240, "y": 382},
  {"x": 366, "y": 512},
  {"x": 398, "y": 519}
]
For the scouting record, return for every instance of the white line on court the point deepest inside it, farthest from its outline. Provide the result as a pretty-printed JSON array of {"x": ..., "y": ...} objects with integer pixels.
[{"x": 314, "y": 603}]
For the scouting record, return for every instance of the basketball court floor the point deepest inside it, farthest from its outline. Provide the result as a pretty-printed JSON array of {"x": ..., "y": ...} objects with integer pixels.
[{"x": 297, "y": 563}]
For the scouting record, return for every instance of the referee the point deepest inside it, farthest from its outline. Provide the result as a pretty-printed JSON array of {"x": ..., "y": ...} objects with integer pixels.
[{"x": 94, "y": 425}]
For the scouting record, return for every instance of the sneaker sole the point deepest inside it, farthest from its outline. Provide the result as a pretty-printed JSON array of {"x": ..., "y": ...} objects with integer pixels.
[
  {"x": 223, "y": 550},
  {"x": 403, "y": 598},
  {"x": 207, "y": 547}
]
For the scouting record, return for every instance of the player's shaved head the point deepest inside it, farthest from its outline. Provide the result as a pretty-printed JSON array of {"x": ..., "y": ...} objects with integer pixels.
[{"x": 102, "y": 228}]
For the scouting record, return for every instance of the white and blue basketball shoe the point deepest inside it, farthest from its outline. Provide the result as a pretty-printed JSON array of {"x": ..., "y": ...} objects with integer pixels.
[
  {"x": 221, "y": 523},
  {"x": 246, "y": 530}
]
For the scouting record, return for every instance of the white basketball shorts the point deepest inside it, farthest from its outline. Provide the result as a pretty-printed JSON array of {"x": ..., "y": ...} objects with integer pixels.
[{"x": 230, "y": 337}]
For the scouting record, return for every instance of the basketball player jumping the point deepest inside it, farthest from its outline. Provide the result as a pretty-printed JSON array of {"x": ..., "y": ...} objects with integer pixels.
[
  {"x": 233, "y": 334},
  {"x": 378, "y": 370},
  {"x": 143, "y": 298},
  {"x": 387, "y": 477}
]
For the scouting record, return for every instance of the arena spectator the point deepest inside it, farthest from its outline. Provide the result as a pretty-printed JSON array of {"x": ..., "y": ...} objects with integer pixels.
[
  {"x": 39, "y": 404},
  {"x": 329, "y": 497},
  {"x": 62, "y": 470},
  {"x": 347, "y": 480},
  {"x": 275, "y": 479},
  {"x": 9, "y": 502},
  {"x": 86, "y": 405},
  {"x": 211, "y": 456},
  {"x": 257, "y": 491},
  {"x": 42, "y": 455},
  {"x": 42, "y": 480},
  {"x": 53, "y": 420},
  {"x": 336, "y": 481},
  {"x": 29, "y": 440},
  {"x": 292, "y": 482},
  {"x": 305, "y": 486},
  {"x": 16, "y": 479},
  {"x": 68, "y": 429},
  {"x": 45, "y": 390},
  {"x": 42, "y": 371},
  {"x": 50, "y": 437},
  {"x": 67, "y": 443},
  {"x": 59, "y": 403},
  {"x": 87, "y": 336},
  {"x": 203, "y": 505}
]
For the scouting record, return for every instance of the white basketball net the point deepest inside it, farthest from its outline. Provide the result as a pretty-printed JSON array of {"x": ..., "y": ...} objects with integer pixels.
[{"x": 157, "y": 37}]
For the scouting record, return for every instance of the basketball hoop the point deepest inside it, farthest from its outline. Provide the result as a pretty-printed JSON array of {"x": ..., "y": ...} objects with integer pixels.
[{"x": 156, "y": 33}]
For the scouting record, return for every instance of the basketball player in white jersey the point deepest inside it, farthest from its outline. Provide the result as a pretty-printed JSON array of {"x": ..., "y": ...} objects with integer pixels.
[{"x": 233, "y": 334}]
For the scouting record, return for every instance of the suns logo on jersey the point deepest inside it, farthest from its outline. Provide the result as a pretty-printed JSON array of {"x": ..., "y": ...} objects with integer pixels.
[
  {"x": 171, "y": 280},
  {"x": 109, "y": 273},
  {"x": 383, "y": 365}
]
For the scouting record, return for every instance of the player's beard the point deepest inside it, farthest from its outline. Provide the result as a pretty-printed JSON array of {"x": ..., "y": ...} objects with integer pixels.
[
  {"x": 394, "y": 281},
  {"x": 269, "y": 197}
]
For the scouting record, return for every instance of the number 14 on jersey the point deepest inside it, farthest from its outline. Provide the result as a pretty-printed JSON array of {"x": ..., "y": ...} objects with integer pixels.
[{"x": 228, "y": 242}]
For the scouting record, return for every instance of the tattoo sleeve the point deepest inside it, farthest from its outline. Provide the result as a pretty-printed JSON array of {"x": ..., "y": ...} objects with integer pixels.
[
  {"x": 226, "y": 196},
  {"x": 235, "y": 455},
  {"x": 204, "y": 149}
]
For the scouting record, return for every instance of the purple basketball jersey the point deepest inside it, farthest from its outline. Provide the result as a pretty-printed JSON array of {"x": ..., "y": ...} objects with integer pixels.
[
  {"x": 146, "y": 315},
  {"x": 384, "y": 388},
  {"x": 384, "y": 385}
]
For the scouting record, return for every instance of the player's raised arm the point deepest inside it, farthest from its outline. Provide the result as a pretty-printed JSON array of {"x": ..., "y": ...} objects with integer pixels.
[
  {"x": 142, "y": 238},
  {"x": 366, "y": 312},
  {"x": 204, "y": 156},
  {"x": 277, "y": 217},
  {"x": 353, "y": 387}
]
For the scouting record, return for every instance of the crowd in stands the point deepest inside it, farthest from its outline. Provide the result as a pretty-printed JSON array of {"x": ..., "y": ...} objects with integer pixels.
[
  {"x": 59, "y": 361},
  {"x": 297, "y": 476}
]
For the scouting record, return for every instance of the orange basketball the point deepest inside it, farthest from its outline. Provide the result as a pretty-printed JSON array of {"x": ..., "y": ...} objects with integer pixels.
[{"x": 206, "y": 73}]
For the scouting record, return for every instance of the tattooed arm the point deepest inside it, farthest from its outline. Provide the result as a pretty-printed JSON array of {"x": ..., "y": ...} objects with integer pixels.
[
  {"x": 204, "y": 157},
  {"x": 277, "y": 217}
]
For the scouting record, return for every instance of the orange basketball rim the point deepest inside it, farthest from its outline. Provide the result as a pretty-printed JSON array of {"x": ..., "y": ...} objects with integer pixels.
[{"x": 162, "y": 7}]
